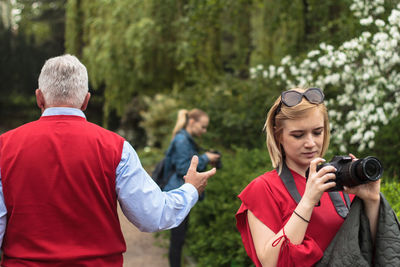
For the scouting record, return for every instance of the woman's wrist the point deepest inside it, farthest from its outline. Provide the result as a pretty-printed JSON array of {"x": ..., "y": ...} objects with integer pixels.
[
  {"x": 306, "y": 203},
  {"x": 305, "y": 208}
]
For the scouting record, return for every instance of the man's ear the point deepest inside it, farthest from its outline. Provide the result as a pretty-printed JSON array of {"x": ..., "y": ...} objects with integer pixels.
[
  {"x": 85, "y": 102},
  {"x": 41, "y": 103}
]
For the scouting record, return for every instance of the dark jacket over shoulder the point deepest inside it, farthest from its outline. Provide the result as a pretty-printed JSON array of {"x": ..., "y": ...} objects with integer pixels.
[{"x": 352, "y": 245}]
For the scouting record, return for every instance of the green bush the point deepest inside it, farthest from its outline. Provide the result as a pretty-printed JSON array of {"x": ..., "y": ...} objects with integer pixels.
[
  {"x": 159, "y": 119},
  {"x": 389, "y": 154},
  {"x": 237, "y": 109},
  {"x": 386, "y": 149},
  {"x": 391, "y": 191},
  {"x": 213, "y": 238}
]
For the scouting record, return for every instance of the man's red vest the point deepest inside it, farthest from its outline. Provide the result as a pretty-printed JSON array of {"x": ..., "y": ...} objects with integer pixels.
[{"x": 58, "y": 177}]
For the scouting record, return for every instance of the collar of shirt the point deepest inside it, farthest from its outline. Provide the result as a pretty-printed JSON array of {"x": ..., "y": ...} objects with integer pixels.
[
  {"x": 63, "y": 111},
  {"x": 190, "y": 138},
  {"x": 185, "y": 133}
]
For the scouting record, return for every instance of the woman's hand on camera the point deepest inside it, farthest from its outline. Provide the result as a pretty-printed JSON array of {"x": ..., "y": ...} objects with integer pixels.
[
  {"x": 367, "y": 192},
  {"x": 318, "y": 182}
]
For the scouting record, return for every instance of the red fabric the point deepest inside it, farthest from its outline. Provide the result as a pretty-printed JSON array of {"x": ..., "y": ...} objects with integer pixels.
[
  {"x": 58, "y": 177},
  {"x": 268, "y": 199}
]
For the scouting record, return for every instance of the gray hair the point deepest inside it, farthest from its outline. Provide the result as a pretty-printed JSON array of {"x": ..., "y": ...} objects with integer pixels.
[{"x": 64, "y": 81}]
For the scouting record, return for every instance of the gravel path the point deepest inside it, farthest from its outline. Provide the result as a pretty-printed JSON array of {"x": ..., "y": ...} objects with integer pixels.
[{"x": 142, "y": 248}]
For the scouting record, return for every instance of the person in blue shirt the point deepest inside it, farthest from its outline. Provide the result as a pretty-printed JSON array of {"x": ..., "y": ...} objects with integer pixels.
[
  {"x": 63, "y": 92},
  {"x": 189, "y": 124}
]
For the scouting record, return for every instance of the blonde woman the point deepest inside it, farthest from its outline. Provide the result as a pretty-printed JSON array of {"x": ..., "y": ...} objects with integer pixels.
[
  {"x": 275, "y": 229},
  {"x": 189, "y": 124}
]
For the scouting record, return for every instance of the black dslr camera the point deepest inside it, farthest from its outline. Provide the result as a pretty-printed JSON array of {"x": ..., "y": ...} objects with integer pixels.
[
  {"x": 218, "y": 164},
  {"x": 352, "y": 173}
]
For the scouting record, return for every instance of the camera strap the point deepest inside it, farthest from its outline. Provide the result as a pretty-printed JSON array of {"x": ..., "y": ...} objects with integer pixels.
[{"x": 342, "y": 208}]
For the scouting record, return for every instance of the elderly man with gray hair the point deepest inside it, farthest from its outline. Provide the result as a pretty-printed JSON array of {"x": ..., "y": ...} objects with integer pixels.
[{"x": 62, "y": 177}]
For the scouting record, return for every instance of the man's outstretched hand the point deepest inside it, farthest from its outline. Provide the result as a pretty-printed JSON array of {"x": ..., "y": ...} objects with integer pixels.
[{"x": 198, "y": 179}]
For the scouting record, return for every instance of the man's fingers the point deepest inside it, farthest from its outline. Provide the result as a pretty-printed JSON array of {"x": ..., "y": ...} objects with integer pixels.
[
  {"x": 210, "y": 173},
  {"x": 206, "y": 174},
  {"x": 193, "y": 164}
]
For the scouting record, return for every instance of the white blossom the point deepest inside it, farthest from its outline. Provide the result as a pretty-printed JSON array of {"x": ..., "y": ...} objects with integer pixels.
[
  {"x": 313, "y": 53},
  {"x": 366, "y": 21},
  {"x": 280, "y": 70},
  {"x": 379, "y": 23},
  {"x": 365, "y": 69},
  {"x": 286, "y": 60},
  {"x": 379, "y": 10},
  {"x": 366, "y": 35},
  {"x": 271, "y": 71},
  {"x": 394, "y": 18}
]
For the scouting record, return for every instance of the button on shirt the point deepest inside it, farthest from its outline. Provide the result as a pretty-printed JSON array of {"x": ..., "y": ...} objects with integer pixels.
[{"x": 140, "y": 198}]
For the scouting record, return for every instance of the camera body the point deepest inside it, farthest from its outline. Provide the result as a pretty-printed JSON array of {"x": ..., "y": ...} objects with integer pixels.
[
  {"x": 218, "y": 164},
  {"x": 352, "y": 173}
]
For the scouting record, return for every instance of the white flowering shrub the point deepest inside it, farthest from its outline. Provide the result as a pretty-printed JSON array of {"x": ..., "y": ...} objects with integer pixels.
[{"x": 363, "y": 74}]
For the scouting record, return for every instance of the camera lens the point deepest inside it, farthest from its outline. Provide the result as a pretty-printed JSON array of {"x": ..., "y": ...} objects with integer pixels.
[{"x": 372, "y": 168}]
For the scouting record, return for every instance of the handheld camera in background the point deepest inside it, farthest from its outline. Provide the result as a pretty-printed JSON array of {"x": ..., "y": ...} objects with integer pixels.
[{"x": 218, "y": 164}]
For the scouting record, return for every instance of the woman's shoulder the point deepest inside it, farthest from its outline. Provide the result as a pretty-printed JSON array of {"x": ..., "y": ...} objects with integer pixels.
[
  {"x": 180, "y": 136},
  {"x": 179, "y": 139},
  {"x": 264, "y": 182},
  {"x": 269, "y": 177},
  {"x": 262, "y": 196}
]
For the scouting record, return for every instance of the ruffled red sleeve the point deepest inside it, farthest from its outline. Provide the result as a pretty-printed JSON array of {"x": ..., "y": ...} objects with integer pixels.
[{"x": 268, "y": 202}]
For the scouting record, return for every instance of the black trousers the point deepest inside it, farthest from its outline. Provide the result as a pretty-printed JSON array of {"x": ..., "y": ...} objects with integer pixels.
[{"x": 176, "y": 243}]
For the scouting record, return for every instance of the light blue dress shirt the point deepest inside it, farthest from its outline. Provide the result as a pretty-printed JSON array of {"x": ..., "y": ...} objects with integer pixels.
[{"x": 140, "y": 198}]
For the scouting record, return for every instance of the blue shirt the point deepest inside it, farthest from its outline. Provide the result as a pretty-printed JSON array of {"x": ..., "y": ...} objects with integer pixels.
[{"x": 140, "y": 198}]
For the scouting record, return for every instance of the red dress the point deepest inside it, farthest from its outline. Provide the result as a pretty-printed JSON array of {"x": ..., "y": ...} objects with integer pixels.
[{"x": 268, "y": 199}]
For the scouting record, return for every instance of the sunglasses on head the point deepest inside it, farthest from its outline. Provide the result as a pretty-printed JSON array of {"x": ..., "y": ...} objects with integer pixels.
[{"x": 292, "y": 98}]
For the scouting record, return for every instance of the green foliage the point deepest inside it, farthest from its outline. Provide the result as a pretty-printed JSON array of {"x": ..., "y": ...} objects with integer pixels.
[
  {"x": 237, "y": 110},
  {"x": 391, "y": 191},
  {"x": 226, "y": 103},
  {"x": 130, "y": 126},
  {"x": 39, "y": 36},
  {"x": 213, "y": 237},
  {"x": 159, "y": 119},
  {"x": 293, "y": 28},
  {"x": 387, "y": 148},
  {"x": 73, "y": 27},
  {"x": 279, "y": 29},
  {"x": 147, "y": 47},
  {"x": 134, "y": 47},
  {"x": 128, "y": 55}
]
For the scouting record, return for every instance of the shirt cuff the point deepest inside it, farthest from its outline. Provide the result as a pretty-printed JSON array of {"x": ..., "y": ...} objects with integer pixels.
[{"x": 188, "y": 187}]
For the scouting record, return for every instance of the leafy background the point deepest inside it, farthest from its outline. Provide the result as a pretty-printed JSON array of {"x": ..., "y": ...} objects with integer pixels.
[{"x": 232, "y": 58}]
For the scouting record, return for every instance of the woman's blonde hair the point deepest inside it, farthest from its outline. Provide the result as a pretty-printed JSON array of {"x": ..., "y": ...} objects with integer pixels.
[
  {"x": 183, "y": 117},
  {"x": 274, "y": 126}
]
